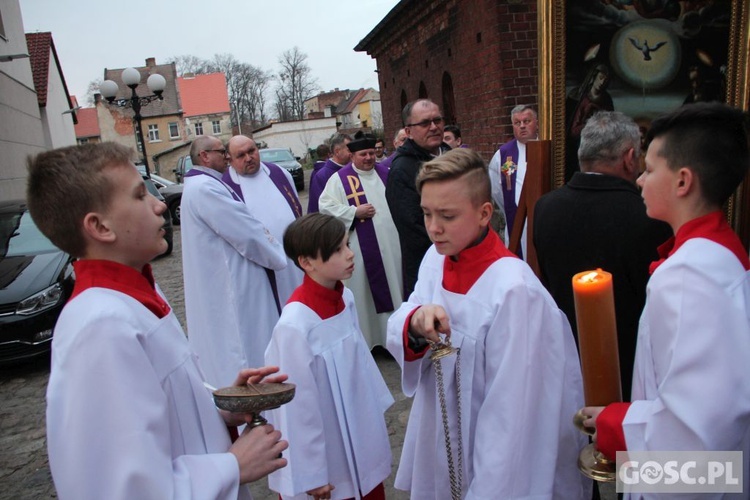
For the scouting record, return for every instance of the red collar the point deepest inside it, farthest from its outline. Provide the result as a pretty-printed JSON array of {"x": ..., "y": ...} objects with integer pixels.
[
  {"x": 325, "y": 302},
  {"x": 460, "y": 275},
  {"x": 712, "y": 227},
  {"x": 121, "y": 278}
]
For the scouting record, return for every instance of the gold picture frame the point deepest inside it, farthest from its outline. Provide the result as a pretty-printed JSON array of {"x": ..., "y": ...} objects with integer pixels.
[{"x": 552, "y": 90}]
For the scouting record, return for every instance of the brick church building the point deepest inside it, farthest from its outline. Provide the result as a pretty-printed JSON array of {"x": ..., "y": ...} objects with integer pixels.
[{"x": 476, "y": 59}]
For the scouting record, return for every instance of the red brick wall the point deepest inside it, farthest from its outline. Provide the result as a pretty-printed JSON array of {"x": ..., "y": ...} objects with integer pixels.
[{"x": 489, "y": 49}]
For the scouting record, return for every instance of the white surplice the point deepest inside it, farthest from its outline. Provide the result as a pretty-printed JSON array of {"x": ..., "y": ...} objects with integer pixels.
[
  {"x": 691, "y": 385},
  {"x": 333, "y": 202},
  {"x": 335, "y": 424},
  {"x": 270, "y": 206},
  {"x": 128, "y": 415},
  {"x": 229, "y": 303},
  {"x": 520, "y": 386}
]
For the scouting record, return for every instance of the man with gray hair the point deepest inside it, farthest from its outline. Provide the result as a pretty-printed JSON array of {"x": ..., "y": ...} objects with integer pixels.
[
  {"x": 340, "y": 157},
  {"x": 598, "y": 220}
]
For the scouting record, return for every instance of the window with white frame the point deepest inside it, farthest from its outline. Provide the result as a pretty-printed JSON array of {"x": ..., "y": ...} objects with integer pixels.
[
  {"x": 174, "y": 130},
  {"x": 199, "y": 128},
  {"x": 153, "y": 133},
  {"x": 216, "y": 126}
]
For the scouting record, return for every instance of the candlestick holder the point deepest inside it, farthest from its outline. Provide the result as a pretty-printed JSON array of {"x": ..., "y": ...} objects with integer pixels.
[
  {"x": 591, "y": 462},
  {"x": 253, "y": 399}
]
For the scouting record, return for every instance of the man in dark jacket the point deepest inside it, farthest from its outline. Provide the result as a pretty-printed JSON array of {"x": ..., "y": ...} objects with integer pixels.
[
  {"x": 598, "y": 220},
  {"x": 424, "y": 126}
]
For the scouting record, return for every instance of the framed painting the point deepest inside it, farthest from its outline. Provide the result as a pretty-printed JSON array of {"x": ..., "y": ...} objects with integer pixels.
[{"x": 641, "y": 57}]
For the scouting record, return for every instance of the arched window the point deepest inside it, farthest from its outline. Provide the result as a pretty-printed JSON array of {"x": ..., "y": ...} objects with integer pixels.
[
  {"x": 449, "y": 100},
  {"x": 422, "y": 91}
]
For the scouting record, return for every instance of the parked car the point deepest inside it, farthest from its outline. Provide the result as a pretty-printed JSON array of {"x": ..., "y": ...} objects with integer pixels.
[
  {"x": 285, "y": 159},
  {"x": 36, "y": 279},
  {"x": 172, "y": 193},
  {"x": 184, "y": 164},
  {"x": 168, "y": 229}
]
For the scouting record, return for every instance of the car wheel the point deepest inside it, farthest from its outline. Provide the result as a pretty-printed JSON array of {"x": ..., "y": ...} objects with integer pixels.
[{"x": 174, "y": 209}]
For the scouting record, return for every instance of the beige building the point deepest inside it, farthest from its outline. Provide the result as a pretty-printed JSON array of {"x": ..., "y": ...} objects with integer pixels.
[{"x": 30, "y": 121}]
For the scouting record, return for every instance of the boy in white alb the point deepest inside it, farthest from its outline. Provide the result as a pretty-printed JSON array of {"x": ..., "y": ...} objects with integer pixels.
[
  {"x": 338, "y": 438},
  {"x": 128, "y": 415},
  {"x": 691, "y": 387},
  {"x": 517, "y": 371}
]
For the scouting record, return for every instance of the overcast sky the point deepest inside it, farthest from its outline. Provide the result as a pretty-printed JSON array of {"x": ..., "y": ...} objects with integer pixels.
[{"x": 91, "y": 35}]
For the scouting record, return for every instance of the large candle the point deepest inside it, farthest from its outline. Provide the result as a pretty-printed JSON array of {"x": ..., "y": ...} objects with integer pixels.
[{"x": 597, "y": 337}]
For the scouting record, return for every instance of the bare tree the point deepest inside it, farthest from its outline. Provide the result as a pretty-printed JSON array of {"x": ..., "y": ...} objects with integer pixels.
[
  {"x": 295, "y": 85},
  {"x": 247, "y": 85},
  {"x": 190, "y": 64},
  {"x": 92, "y": 89}
]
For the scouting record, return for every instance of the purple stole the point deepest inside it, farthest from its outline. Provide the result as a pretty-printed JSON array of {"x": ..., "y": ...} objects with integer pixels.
[
  {"x": 193, "y": 173},
  {"x": 368, "y": 241},
  {"x": 280, "y": 181},
  {"x": 508, "y": 151}
]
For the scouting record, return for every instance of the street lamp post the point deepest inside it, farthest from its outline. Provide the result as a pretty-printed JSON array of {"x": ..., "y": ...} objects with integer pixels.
[{"x": 132, "y": 77}]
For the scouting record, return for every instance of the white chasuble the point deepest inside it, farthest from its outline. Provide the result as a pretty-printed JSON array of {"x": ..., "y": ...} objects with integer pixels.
[{"x": 333, "y": 201}]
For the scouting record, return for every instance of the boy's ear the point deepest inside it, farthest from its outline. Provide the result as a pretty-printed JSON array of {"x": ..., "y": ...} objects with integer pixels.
[
  {"x": 485, "y": 213},
  {"x": 305, "y": 263},
  {"x": 96, "y": 227},
  {"x": 686, "y": 182}
]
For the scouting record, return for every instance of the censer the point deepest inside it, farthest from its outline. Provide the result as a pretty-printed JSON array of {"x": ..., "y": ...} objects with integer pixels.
[{"x": 440, "y": 350}]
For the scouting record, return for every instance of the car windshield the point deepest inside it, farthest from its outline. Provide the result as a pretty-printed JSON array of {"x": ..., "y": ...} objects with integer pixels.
[
  {"x": 20, "y": 236},
  {"x": 274, "y": 155}
]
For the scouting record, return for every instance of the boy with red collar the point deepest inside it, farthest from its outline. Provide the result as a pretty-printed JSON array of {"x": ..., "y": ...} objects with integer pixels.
[
  {"x": 507, "y": 393},
  {"x": 691, "y": 389},
  {"x": 128, "y": 415},
  {"x": 335, "y": 424}
]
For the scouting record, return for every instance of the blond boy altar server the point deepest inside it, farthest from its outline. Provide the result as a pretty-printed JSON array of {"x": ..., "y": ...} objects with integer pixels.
[{"x": 505, "y": 397}]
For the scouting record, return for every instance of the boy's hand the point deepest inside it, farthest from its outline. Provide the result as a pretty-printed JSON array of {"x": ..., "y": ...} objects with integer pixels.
[
  {"x": 585, "y": 419},
  {"x": 258, "y": 452},
  {"x": 323, "y": 492},
  {"x": 260, "y": 375},
  {"x": 429, "y": 321}
]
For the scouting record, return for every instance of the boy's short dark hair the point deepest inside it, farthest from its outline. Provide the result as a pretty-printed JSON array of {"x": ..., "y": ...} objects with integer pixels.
[
  {"x": 711, "y": 139},
  {"x": 65, "y": 184},
  {"x": 313, "y": 235},
  {"x": 459, "y": 163}
]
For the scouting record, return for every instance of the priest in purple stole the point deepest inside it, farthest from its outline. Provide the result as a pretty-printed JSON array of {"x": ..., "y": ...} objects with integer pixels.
[
  {"x": 508, "y": 169},
  {"x": 268, "y": 191},
  {"x": 340, "y": 157},
  {"x": 356, "y": 196}
]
